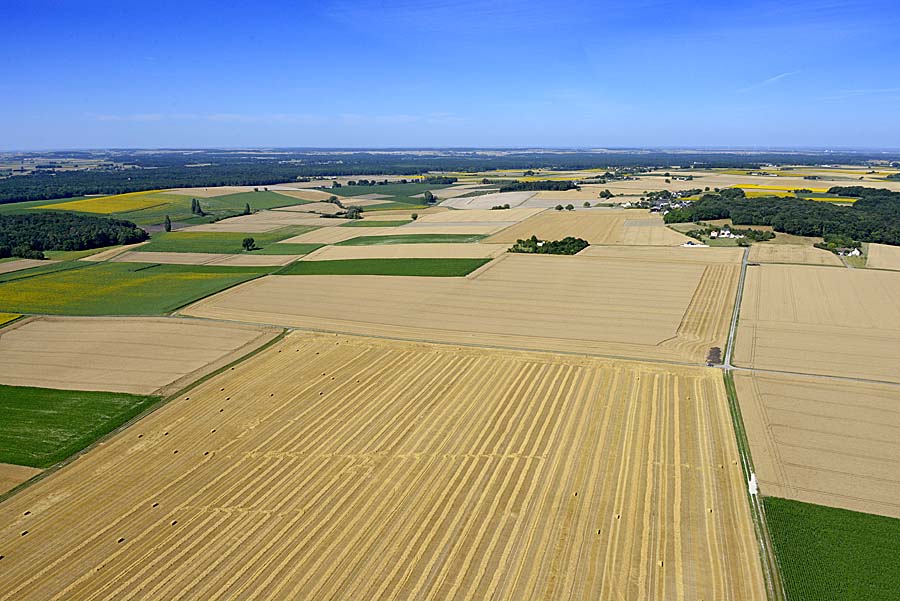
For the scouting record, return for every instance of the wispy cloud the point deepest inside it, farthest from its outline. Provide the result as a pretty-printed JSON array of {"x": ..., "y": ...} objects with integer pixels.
[{"x": 768, "y": 82}]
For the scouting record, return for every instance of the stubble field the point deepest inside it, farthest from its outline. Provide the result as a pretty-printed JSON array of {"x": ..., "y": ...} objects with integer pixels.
[
  {"x": 337, "y": 467},
  {"x": 597, "y": 226},
  {"x": 821, "y": 320},
  {"x": 791, "y": 253},
  {"x": 576, "y": 304},
  {"x": 140, "y": 355},
  {"x": 824, "y": 441}
]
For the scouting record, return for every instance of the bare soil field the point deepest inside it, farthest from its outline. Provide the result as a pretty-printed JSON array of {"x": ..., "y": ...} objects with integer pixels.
[
  {"x": 20, "y": 264},
  {"x": 330, "y": 467},
  {"x": 407, "y": 251},
  {"x": 210, "y": 192},
  {"x": 479, "y": 215},
  {"x": 624, "y": 308},
  {"x": 824, "y": 441},
  {"x": 880, "y": 256},
  {"x": 180, "y": 258},
  {"x": 792, "y": 253},
  {"x": 333, "y": 235},
  {"x": 312, "y": 207},
  {"x": 13, "y": 475},
  {"x": 821, "y": 320},
  {"x": 486, "y": 201},
  {"x": 109, "y": 253},
  {"x": 263, "y": 221},
  {"x": 139, "y": 355},
  {"x": 599, "y": 226}
]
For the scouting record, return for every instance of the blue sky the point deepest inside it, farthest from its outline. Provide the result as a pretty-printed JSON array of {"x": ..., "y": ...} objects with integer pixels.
[{"x": 438, "y": 73}]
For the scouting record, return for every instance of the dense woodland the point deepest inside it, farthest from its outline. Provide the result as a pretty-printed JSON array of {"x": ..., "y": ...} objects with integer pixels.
[
  {"x": 567, "y": 246},
  {"x": 135, "y": 170},
  {"x": 875, "y": 217},
  {"x": 556, "y": 186},
  {"x": 28, "y": 235}
]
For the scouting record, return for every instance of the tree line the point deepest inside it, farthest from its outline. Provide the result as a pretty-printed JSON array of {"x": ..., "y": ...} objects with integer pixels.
[
  {"x": 874, "y": 217},
  {"x": 28, "y": 235}
]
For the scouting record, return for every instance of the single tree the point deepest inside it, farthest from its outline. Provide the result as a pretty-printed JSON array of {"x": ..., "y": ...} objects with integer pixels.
[
  {"x": 429, "y": 197},
  {"x": 559, "y": 207},
  {"x": 414, "y": 216},
  {"x": 249, "y": 244},
  {"x": 586, "y": 204},
  {"x": 247, "y": 209},
  {"x": 167, "y": 224},
  {"x": 569, "y": 207}
]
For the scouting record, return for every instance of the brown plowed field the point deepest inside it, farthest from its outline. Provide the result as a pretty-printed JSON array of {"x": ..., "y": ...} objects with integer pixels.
[
  {"x": 791, "y": 253},
  {"x": 585, "y": 305},
  {"x": 597, "y": 226},
  {"x": 330, "y": 467},
  {"x": 821, "y": 320},
  {"x": 824, "y": 441},
  {"x": 140, "y": 355}
]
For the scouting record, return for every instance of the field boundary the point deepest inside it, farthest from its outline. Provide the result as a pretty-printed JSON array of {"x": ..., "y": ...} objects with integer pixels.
[{"x": 159, "y": 404}]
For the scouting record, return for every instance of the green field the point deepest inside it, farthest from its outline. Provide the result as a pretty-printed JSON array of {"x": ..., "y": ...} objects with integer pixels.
[
  {"x": 178, "y": 207},
  {"x": 375, "y": 223},
  {"x": 42, "y": 426},
  {"x": 80, "y": 288},
  {"x": 411, "y": 239},
  {"x": 401, "y": 194},
  {"x": 416, "y": 267},
  {"x": 224, "y": 242},
  {"x": 827, "y": 553}
]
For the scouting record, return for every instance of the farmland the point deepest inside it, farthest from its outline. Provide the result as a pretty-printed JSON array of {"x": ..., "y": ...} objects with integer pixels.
[
  {"x": 821, "y": 320},
  {"x": 114, "y": 288},
  {"x": 599, "y": 226},
  {"x": 828, "y": 553},
  {"x": 630, "y": 308},
  {"x": 792, "y": 253},
  {"x": 407, "y": 251},
  {"x": 221, "y": 242},
  {"x": 429, "y": 267},
  {"x": 411, "y": 239},
  {"x": 151, "y": 355},
  {"x": 425, "y": 471},
  {"x": 882, "y": 256},
  {"x": 45, "y": 426},
  {"x": 824, "y": 441}
]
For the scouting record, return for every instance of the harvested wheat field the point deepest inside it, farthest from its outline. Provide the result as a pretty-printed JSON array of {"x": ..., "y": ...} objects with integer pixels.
[
  {"x": 824, "y": 441},
  {"x": 622, "y": 308},
  {"x": 263, "y": 221},
  {"x": 20, "y": 264},
  {"x": 211, "y": 192},
  {"x": 821, "y": 320},
  {"x": 407, "y": 251},
  {"x": 13, "y": 475},
  {"x": 333, "y": 235},
  {"x": 139, "y": 355},
  {"x": 790, "y": 253},
  {"x": 598, "y": 226},
  {"x": 225, "y": 259},
  {"x": 109, "y": 253},
  {"x": 329, "y": 467},
  {"x": 679, "y": 254},
  {"x": 880, "y": 256}
]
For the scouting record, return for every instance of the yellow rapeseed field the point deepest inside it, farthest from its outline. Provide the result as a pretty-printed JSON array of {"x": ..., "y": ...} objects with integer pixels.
[
  {"x": 105, "y": 205},
  {"x": 8, "y": 317}
]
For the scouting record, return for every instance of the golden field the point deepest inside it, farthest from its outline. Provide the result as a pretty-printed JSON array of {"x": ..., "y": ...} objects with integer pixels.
[
  {"x": 824, "y": 441},
  {"x": 620, "y": 307},
  {"x": 347, "y": 468}
]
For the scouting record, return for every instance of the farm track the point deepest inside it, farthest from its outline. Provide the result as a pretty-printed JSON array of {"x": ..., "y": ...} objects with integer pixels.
[{"x": 342, "y": 467}]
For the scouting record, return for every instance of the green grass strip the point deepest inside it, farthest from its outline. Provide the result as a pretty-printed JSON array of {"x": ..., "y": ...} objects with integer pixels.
[
  {"x": 42, "y": 426},
  {"x": 412, "y": 239}
]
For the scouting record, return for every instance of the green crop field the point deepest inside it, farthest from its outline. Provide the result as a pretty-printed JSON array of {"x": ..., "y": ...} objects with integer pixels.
[
  {"x": 416, "y": 267},
  {"x": 79, "y": 288},
  {"x": 375, "y": 223},
  {"x": 223, "y": 242},
  {"x": 178, "y": 207},
  {"x": 42, "y": 426},
  {"x": 401, "y": 195},
  {"x": 827, "y": 553},
  {"x": 411, "y": 239}
]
